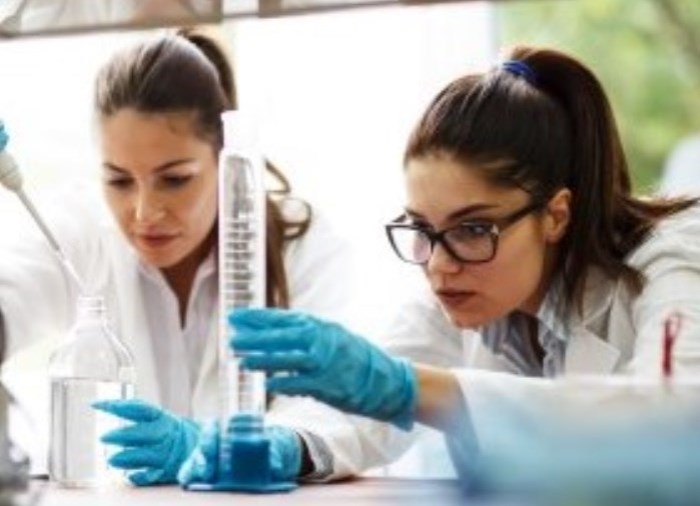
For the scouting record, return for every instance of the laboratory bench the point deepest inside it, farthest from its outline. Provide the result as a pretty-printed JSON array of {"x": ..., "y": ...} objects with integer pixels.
[{"x": 358, "y": 492}]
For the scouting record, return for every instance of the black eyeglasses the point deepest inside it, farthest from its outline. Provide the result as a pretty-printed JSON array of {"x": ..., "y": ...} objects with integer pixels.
[{"x": 468, "y": 242}]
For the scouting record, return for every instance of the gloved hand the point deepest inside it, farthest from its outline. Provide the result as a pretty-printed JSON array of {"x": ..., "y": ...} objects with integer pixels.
[
  {"x": 3, "y": 136},
  {"x": 155, "y": 446},
  {"x": 202, "y": 464},
  {"x": 326, "y": 362},
  {"x": 10, "y": 177}
]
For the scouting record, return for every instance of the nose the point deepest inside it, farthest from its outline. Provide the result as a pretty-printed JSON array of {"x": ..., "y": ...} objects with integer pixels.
[
  {"x": 441, "y": 262},
  {"x": 147, "y": 207}
]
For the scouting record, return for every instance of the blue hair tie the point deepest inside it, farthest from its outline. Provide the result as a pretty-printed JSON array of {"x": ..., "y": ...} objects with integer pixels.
[{"x": 520, "y": 69}]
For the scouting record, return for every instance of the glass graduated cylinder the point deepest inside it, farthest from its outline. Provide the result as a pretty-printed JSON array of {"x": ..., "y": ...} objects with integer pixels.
[
  {"x": 242, "y": 274},
  {"x": 246, "y": 389}
]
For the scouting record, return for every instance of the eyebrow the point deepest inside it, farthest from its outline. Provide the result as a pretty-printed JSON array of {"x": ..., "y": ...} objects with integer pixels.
[
  {"x": 159, "y": 168},
  {"x": 459, "y": 213}
]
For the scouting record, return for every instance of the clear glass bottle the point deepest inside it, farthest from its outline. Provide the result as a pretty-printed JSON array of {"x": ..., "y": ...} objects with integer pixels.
[{"x": 92, "y": 364}]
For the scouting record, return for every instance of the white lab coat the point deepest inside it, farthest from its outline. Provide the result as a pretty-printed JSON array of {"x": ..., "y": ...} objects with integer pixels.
[
  {"x": 37, "y": 299},
  {"x": 618, "y": 333},
  {"x": 681, "y": 174}
]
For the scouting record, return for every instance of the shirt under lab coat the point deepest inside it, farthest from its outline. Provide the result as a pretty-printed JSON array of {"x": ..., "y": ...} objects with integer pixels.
[{"x": 617, "y": 333}]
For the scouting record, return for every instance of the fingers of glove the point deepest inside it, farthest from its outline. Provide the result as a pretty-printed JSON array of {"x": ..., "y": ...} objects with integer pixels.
[
  {"x": 256, "y": 319},
  {"x": 209, "y": 439},
  {"x": 276, "y": 362},
  {"x": 197, "y": 468},
  {"x": 202, "y": 463},
  {"x": 190, "y": 470},
  {"x": 140, "y": 434},
  {"x": 272, "y": 340},
  {"x": 285, "y": 452},
  {"x": 134, "y": 410},
  {"x": 189, "y": 432},
  {"x": 137, "y": 458},
  {"x": 292, "y": 385},
  {"x": 146, "y": 477}
]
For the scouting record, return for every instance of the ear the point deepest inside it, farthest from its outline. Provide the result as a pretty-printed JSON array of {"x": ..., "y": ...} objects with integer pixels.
[{"x": 557, "y": 215}]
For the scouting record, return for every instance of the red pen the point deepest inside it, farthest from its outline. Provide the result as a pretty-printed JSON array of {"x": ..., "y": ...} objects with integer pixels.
[{"x": 672, "y": 327}]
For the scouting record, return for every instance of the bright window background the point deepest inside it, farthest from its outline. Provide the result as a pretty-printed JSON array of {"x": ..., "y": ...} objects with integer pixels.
[{"x": 335, "y": 96}]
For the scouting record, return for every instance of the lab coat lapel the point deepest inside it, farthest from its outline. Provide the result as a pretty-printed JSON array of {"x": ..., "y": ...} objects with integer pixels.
[
  {"x": 142, "y": 348},
  {"x": 134, "y": 332},
  {"x": 588, "y": 353},
  {"x": 205, "y": 397}
]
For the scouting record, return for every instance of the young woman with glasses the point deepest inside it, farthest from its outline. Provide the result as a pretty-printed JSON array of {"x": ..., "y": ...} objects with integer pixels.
[{"x": 540, "y": 260}]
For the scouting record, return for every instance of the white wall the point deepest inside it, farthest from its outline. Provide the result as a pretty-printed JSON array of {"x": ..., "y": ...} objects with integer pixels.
[{"x": 45, "y": 102}]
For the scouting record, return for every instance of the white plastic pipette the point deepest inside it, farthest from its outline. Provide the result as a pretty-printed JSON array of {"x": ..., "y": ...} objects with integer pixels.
[{"x": 11, "y": 178}]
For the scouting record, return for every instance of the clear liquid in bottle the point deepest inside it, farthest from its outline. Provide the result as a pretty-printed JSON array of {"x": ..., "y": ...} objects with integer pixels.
[
  {"x": 77, "y": 457},
  {"x": 92, "y": 364}
]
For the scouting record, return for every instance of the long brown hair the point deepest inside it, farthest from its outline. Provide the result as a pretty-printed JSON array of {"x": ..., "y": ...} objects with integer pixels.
[
  {"x": 542, "y": 130},
  {"x": 189, "y": 72}
]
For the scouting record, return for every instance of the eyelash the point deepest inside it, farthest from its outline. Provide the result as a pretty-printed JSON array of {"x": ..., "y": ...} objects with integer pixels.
[
  {"x": 119, "y": 183},
  {"x": 176, "y": 181},
  {"x": 167, "y": 181},
  {"x": 482, "y": 226},
  {"x": 420, "y": 224},
  {"x": 478, "y": 227}
]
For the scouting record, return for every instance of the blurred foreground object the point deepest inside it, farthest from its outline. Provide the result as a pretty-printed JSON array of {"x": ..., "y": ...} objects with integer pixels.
[
  {"x": 15, "y": 487},
  {"x": 636, "y": 444}
]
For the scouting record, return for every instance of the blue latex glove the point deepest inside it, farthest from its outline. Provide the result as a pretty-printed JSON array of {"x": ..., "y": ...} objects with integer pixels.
[
  {"x": 202, "y": 464},
  {"x": 3, "y": 136},
  {"x": 326, "y": 362},
  {"x": 154, "y": 446}
]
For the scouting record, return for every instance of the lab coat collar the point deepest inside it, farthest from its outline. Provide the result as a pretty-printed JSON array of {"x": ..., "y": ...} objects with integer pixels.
[
  {"x": 205, "y": 269},
  {"x": 586, "y": 352},
  {"x": 549, "y": 313},
  {"x": 151, "y": 273},
  {"x": 208, "y": 266},
  {"x": 597, "y": 298}
]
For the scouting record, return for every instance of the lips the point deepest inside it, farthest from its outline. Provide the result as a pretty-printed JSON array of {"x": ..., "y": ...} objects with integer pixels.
[
  {"x": 454, "y": 298},
  {"x": 154, "y": 241}
]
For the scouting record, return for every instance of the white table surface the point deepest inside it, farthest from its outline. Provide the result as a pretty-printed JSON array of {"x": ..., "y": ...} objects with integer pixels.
[{"x": 365, "y": 491}]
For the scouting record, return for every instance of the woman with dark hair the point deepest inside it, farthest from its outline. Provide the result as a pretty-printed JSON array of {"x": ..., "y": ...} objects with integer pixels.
[
  {"x": 158, "y": 111},
  {"x": 540, "y": 260}
]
